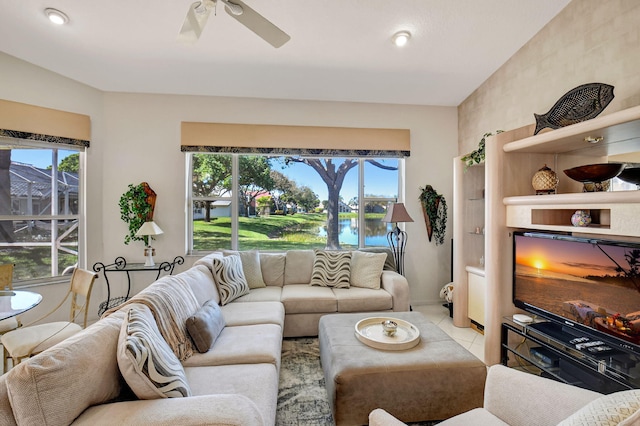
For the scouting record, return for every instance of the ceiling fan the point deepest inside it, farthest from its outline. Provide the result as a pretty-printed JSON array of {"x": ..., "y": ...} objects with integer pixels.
[{"x": 199, "y": 12}]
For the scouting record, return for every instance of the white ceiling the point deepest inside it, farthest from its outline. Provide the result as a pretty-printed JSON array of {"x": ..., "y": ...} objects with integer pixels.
[{"x": 339, "y": 49}]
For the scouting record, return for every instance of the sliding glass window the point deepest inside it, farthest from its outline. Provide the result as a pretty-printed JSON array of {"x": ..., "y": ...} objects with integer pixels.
[
  {"x": 40, "y": 208},
  {"x": 288, "y": 202}
]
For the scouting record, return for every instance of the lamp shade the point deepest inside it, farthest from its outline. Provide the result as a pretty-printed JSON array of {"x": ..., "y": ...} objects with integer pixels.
[
  {"x": 397, "y": 213},
  {"x": 149, "y": 228}
]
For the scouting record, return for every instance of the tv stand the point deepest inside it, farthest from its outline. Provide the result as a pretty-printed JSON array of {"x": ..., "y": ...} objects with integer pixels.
[{"x": 558, "y": 352}]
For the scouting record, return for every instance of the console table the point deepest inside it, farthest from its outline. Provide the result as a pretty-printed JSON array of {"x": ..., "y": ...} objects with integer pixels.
[
  {"x": 121, "y": 265},
  {"x": 554, "y": 351}
]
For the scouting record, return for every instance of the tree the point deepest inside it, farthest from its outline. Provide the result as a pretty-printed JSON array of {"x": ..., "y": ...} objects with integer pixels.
[
  {"x": 307, "y": 199},
  {"x": 333, "y": 175},
  {"x": 283, "y": 187},
  {"x": 254, "y": 180},
  {"x": 70, "y": 163},
  {"x": 211, "y": 178},
  {"x": 6, "y": 227}
]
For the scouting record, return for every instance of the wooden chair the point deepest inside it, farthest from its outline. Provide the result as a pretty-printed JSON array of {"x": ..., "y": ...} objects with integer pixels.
[
  {"x": 6, "y": 284},
  {"x": 32, "y": 339}
]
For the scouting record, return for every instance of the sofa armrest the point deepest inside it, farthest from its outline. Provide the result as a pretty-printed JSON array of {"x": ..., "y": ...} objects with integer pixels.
[
  {"x": 398, "y": 286},
  {"x": 379, "y": 417},
  {"x": 223, "y": 410},
  {"x": 520, "y": 398}
]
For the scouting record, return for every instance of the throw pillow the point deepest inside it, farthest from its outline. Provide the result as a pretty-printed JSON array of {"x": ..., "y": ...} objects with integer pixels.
[
  {"x": 390, "y": 263},
  {"x": 331, "y": 269},
  {"x": 205, "y": 326},
  {"x": 619, "y": 408},
  {"x": 146, "y": 361},
  {"x": 250, "y": 266},
  {"x": 366, "y": 269},
  {"x": 230, "y": 279}
]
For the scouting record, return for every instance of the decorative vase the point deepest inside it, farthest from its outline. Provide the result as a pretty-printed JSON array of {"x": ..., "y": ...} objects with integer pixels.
[
  {"x": 581, "y": 218},
  {"x": 545, "y": 181}
]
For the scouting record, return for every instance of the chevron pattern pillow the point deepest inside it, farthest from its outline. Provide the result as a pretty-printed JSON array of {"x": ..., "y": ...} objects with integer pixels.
[
  {"x": 146, "y": 361},
  {"x": 230, "y": 279},
  {"x": 331, "y": 269}
]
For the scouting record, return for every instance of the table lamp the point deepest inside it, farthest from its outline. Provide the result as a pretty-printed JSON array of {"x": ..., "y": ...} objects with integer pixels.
[
  {"x": 396, "y": 237},
  {"x": 148, "y": 229}
]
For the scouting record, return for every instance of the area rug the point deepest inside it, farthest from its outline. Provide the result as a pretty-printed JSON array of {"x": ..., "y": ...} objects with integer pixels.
[{"x": 302, "y": 398}]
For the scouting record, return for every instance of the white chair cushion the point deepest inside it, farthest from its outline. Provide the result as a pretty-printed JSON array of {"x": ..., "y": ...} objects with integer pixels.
[
  {"x": 37, "y": 338},
  {"x": 8, "y": 324}
]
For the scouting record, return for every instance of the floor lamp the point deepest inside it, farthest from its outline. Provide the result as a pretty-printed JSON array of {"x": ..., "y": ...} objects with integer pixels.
[{"x": 397, "y": 238}]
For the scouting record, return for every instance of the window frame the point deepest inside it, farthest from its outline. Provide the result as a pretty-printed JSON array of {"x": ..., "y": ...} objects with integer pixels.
[
  {"x": 235, "y": 158},
  {"x": 80, "y": 216}
]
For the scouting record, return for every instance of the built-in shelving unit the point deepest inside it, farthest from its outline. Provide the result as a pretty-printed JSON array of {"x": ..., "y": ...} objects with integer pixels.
[
  {"x": 512, "y": 158},
  {"x": 468, "y": 244}
]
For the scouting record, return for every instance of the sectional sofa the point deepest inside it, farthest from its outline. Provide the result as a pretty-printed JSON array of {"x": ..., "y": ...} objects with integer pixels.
[{"x": 101, "y": 375}]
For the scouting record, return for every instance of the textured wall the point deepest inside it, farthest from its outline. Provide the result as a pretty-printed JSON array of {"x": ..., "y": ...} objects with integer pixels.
[{"x": 589, "y": 41}]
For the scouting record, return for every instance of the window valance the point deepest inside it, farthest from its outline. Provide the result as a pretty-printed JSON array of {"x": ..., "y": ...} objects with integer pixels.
[
  {"x": 23, "y": 121},
  {"x": 294, "y": 140}
]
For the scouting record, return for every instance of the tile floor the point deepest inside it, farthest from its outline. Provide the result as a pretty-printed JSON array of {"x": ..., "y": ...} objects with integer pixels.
[{"x": 467, "y": 337}]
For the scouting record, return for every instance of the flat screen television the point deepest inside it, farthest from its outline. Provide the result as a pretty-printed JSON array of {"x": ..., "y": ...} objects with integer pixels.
[{"x": 588, "y": 285}]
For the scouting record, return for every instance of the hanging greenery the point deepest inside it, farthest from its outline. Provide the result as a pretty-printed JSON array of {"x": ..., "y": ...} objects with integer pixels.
[
  {"x": 477, "y": 156},
  {"x": 136, "y": 208},
  {"x": 434, "y": 209}
]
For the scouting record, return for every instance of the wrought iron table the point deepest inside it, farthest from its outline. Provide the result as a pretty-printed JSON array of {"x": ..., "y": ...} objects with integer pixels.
[{"x": 121, "y": 265}]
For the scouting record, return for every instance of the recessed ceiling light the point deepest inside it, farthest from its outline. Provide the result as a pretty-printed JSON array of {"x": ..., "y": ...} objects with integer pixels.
[
  {"x": 401, "y": 38},
  {"x": 55, "y": 16}
]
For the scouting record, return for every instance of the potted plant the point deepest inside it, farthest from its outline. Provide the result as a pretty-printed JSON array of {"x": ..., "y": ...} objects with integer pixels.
[
  {"x": 136, "y": 208},
  {"x": 434, "y": 209},
  {"x": 477, "y": 156}
]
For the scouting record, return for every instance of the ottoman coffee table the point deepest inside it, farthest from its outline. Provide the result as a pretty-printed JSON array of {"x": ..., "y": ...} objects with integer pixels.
[{"x": 434, "y": 380}]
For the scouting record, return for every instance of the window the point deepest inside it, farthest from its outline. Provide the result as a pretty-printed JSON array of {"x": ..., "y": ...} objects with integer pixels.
[
  {"x": 286, "y": 202},
  {"x": 40, "y": 207}
]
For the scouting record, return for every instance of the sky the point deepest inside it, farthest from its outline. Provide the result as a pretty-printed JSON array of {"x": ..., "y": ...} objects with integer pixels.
[{"x": 377, "y": 181}]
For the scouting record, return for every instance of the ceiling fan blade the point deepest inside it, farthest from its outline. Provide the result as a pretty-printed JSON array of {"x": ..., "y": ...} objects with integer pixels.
[
  {"x": 195, "y": 21},
  {"x": 256, "y": 23}
]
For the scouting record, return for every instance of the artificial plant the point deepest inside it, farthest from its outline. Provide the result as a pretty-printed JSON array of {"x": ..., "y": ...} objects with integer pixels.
[
  {"x": 136, "y": 208},
  {"x": 477, "y": 156},
  {"x": 434, "y": 209}
]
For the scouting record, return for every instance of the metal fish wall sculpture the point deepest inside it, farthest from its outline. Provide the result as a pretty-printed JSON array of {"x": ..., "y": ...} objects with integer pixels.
[{"x": 578, "y": 104}]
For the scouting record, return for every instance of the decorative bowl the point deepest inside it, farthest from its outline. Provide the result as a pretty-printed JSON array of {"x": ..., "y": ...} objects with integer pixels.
[
  {"x": 595, "y": 173},
  {"x": 630, "y": 175},
  {"x": 389, "y": 327}
]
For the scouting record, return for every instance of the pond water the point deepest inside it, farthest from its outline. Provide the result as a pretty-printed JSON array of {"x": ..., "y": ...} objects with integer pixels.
[{"x": 376, "y": 232}]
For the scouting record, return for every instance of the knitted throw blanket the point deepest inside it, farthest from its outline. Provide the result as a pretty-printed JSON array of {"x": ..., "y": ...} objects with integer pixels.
[{"x": 171, "y": 301}]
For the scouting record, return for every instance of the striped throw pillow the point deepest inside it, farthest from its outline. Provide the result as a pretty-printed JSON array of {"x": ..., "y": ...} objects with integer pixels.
[
  {"x": 146, "y": 361},
  {"x": 230, "y": 279},
  {"x": 331, "y": 269}
]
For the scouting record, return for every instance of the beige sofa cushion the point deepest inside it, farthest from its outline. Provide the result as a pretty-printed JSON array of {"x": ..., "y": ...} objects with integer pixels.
[
  {"x": 53, "y": 388},
  {"x": 298, "y": 266},
  {"x": 258, "y": 382},
  {"x": 200, "y": 279},
  {"x": 146, "y": 361},
  {"x": 250, "y": 266},
  {"x": 303, "y": 298},
  {"x": 254, "y": 313},
  {"x": 366, "y": 269},
  {"x": 355, "y": 299},
  {"x": 247, "y": 344},
  {"x": 273, "y": 265},
  {"x": 270, "y": 293}
]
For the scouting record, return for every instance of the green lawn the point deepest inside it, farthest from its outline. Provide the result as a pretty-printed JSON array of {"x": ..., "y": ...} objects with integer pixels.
[{"x": 273, "y": 232}]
